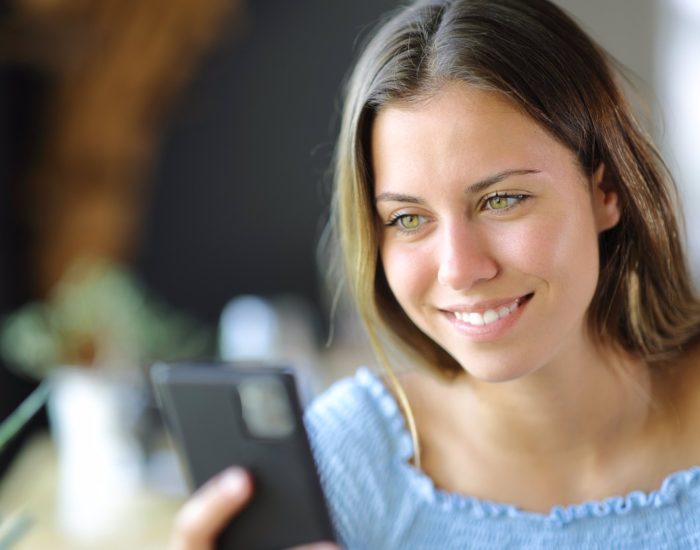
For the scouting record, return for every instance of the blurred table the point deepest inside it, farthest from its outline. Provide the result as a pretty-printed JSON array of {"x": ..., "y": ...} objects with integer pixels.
[
  {"x": 30, "y": 489},
  {"x": 135, "y": 519}
]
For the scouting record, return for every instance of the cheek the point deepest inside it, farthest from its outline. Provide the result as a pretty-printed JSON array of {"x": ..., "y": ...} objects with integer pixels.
[
  {"x": 562, "y": 251},
  {"x": 408, "y": 274}
]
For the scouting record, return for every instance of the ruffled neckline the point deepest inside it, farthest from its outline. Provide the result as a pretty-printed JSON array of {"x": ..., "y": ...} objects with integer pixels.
[{"x": 672, "y": 487}]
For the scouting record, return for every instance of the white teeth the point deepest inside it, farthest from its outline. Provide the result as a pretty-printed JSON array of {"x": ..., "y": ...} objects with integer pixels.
[
  {"x": 489, "y": 316},
  {"x": 475, "y": 319}
]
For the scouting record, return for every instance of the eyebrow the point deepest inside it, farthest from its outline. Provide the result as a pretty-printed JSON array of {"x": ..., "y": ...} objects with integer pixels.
[{"x": 476, "y": 187}]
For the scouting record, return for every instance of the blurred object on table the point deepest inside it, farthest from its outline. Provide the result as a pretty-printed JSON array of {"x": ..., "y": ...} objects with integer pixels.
[
  {"x": 282, "y": 330},
  {"x": 100, "y": 315},
  {"x": 142, "y": 520}
]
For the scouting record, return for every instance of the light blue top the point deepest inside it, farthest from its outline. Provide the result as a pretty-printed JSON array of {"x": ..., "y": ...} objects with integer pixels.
[{"x": 379, "y": 501}]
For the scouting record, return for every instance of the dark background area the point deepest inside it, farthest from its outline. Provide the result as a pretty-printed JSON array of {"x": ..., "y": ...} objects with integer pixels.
[
  {"x": 241, "y": 187},
  {"x": 241, "y": 183},
  {"x": 21, "y": 94}
]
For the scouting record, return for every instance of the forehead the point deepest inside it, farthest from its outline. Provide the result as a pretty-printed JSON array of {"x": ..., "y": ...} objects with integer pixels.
[{"x": 460, "y": 132}]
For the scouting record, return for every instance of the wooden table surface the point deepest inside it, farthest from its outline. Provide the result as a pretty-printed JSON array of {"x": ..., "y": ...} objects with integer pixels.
[{"x": 30, "y": 490}]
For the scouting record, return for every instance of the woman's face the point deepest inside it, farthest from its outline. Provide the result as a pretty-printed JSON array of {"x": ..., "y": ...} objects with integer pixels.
[{"x": 488, "y": 230}]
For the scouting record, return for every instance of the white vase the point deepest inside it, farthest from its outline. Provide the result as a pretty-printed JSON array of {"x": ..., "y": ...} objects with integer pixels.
[{"x": 99, "y": 460}]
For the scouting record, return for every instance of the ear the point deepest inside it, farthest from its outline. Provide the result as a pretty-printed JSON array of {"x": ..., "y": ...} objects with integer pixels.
[{"x": 606, "y": 207}]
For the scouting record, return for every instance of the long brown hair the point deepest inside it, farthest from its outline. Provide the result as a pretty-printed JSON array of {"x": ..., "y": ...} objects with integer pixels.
[{"x": 536, "y": 55}]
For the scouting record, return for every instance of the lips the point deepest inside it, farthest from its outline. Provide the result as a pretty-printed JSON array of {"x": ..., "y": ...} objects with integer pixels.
[{"x": 487, "y": 313}]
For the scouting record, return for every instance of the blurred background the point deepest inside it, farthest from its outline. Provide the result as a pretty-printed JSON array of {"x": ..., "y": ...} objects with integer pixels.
[{"x": 164, "y": 181}]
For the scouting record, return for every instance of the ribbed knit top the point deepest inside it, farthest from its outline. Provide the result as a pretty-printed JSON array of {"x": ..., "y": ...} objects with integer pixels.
[{"x": 379, "y": 501}]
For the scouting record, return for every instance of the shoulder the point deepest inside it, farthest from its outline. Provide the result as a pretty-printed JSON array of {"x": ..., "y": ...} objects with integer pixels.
[
  {"x": 357, "y": 415},
  {"x": 358, "y": 440}
]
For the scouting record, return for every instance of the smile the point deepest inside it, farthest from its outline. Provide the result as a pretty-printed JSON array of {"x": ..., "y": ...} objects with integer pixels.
[{"x": 489, "y": 316}]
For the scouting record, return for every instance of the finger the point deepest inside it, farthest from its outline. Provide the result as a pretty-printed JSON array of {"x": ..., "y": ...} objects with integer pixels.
[{"x": 206, "y": 513}]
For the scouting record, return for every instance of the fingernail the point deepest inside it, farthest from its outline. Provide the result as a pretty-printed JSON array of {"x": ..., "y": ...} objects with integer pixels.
[{"x": 232, "y": 481}]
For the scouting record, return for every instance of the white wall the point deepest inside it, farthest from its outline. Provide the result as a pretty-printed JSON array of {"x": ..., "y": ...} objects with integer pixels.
[{"x": 679, "y": 87}]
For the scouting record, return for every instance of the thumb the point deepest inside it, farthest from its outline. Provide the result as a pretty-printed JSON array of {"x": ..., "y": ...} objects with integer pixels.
[{"x": 210, "y": 508}]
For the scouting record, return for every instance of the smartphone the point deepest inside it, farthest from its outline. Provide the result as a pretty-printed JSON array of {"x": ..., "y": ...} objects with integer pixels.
[{"x": 220, "y": 415}]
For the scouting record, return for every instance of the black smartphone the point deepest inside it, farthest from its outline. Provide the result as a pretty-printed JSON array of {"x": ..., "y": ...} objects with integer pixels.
[{"x": 220, "y": 415}]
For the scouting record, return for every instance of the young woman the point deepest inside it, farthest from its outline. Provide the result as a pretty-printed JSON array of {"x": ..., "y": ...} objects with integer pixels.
[{"x": 507, "y": 223}]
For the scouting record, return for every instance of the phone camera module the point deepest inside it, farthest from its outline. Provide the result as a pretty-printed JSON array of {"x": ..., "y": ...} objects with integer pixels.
[{"x": 267, "y": 412}]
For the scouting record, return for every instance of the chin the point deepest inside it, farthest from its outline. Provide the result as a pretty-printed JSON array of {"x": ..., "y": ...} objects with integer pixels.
[
  {"x": 496, "y": 376},
  {"x": 495, "y": 371}
]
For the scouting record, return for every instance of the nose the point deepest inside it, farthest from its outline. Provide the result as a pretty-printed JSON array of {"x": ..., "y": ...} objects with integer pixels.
[{"x": 465, "y": 257}]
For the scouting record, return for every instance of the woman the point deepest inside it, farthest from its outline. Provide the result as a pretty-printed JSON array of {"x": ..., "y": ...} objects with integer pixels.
[{"x": 506, "y": 222}]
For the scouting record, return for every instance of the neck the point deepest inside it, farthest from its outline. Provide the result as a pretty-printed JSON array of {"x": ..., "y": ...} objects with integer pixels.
[
  {"x": 583, "y": 407},
  {"x": 563, "y": 434},
  {"x": 584, "y": 414}
]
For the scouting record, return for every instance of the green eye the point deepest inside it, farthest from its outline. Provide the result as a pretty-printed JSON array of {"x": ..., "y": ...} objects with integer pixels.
[
  {"x": 499, "y": 202},
  {"x": 409, "y": 221},
  {"x": 406, "y": 223},
  {"x": 503, "y": 202}
]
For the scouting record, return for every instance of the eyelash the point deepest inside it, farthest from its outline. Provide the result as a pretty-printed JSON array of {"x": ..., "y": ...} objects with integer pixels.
[
  {"x": 394, "y": 222},
  {"x": 520, "y": 198}
]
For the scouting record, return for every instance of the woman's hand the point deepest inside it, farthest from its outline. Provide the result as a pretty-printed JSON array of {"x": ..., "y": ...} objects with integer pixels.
[{"x": 212, "y": 506}]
